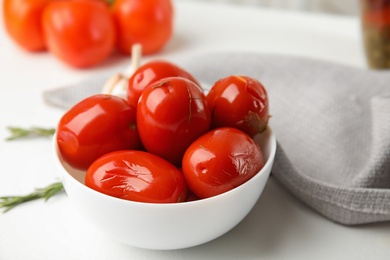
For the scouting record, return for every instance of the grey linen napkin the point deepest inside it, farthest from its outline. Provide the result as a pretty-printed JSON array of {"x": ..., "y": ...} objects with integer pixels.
[{"x": 332, "y": 123}]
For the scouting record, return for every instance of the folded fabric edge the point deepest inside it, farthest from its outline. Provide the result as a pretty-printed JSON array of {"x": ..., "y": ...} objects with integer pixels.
[{"x": 344, "y": 205}]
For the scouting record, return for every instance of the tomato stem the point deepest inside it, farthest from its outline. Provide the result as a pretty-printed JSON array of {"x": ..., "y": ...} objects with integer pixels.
[
  {"x": 9, "y": 202},
  {"x": 110, "y": 2},
  {"x": 17, "y": 132}
]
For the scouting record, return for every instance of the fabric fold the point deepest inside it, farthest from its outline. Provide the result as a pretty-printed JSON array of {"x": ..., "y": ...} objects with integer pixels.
[
  {"x": 376, "y": 173},
  {"x": 342, "y": 204}
]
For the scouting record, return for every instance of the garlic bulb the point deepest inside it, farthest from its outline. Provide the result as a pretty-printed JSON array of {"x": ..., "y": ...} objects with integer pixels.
[{"x": 117, "y": 84}]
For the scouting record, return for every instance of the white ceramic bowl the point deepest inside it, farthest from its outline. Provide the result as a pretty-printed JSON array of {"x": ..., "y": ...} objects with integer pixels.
[{"x": 168, "y": 226}]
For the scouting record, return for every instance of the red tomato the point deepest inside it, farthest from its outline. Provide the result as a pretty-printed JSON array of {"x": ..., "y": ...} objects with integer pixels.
[
  {"x": 241, "y": 102},
  {"x": 22, "y": 20},
  {"x": 147, "y": 22},
  {"x": 95, "y": 126},
  {"x": 137, "y": 176},
  {"x": 171, "y": 114},
  {"x": 79, "y": 32},
  {"x": 221, "y": 160},
  {"x": 151, "y": 72}
]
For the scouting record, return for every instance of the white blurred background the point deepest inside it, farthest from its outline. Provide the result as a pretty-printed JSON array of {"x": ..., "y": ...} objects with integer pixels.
[{"x": 345, "y": 7}]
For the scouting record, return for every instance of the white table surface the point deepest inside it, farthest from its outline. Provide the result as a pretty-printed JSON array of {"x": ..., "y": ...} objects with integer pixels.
[{"x": 279, "y": 227}]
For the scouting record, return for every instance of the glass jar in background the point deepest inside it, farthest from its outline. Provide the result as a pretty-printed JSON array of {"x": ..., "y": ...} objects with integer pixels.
[{"x": 375, "y": 17}]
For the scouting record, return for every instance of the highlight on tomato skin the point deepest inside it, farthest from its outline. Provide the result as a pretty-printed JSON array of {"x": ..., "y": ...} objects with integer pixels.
[
  {"x": 95, "y": 126},
  {"x": 221, "y": 160},
  {"x": 137, "y": 176},
  {"x": 151, "y": 72},
  {"x": 171, "y": 114},
  {"x": 240, "y": 102}
]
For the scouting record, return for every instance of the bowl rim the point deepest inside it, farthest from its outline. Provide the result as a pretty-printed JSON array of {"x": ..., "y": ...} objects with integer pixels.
[{"x": 268, "y": 164}]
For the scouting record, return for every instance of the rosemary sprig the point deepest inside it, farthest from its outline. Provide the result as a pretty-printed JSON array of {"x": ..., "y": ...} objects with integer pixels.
[
  {"x": 9, "y": 202},
  {"x": 18, "y": 132}
]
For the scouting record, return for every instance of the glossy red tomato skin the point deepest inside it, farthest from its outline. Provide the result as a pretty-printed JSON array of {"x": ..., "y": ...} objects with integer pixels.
[
  {"x": 81, "y": 33},
  {"x": 171, "y": 114},
  {"x": 221, "y": 160},
  {"x": 151, "y": 72},
  {"x": 95, "y": 126},
  {"x": 137, "y": 176},
  {"x": 22, "y": 20},
  {"x": 147, "y": 22},
  {"x": 241, "y": 102}
]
